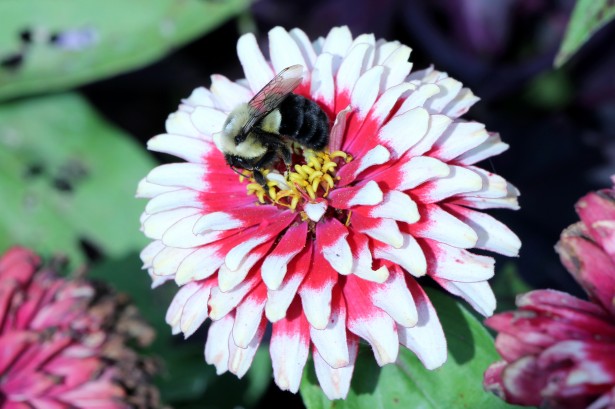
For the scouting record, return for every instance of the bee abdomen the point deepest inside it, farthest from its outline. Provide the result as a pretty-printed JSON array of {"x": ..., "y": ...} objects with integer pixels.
[{"x": 304, "y": 122}]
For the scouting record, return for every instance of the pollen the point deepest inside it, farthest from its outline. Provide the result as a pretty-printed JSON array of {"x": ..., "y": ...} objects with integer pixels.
[{"x": 303, "y": 182}]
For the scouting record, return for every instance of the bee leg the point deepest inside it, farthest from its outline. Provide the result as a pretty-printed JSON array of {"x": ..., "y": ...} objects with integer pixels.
[
  {"x": 259, "y": 177},
  {"x": 286, "y": 157}
]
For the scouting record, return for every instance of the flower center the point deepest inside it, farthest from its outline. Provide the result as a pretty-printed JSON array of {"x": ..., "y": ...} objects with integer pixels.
[{"x": 306, "y": 181}]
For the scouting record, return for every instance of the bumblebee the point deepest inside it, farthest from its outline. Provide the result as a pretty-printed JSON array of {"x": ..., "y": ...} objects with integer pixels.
[{"x": 257, "y": 134}]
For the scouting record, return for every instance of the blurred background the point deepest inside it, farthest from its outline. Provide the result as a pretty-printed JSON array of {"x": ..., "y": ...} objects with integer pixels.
[{"x": 70, "y": 161}]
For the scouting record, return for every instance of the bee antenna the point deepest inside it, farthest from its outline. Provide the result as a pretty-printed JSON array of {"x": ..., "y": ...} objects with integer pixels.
[{"x": 236, "y": 171}]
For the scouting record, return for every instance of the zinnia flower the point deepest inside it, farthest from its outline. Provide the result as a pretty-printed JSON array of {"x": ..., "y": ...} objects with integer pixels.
[
  {"x": 63, "y": 342},
  {"x": 330, "y": 252},
  {"x": 559, "y": 350}
]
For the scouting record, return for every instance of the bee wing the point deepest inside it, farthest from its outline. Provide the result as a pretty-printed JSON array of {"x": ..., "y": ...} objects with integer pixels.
[{"x": 272, "y": 94}]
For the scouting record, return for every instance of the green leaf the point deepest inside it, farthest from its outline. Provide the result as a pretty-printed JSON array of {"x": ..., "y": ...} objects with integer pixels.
[
  {"x": 587, "y": 17},
  {"x": 506, "y": 285},
  {"x": 114, "y": 36},
  {"x": 186, "y": 381},
  {"x": 407, "y": 384},
  {"x": 67, "y": 177}
]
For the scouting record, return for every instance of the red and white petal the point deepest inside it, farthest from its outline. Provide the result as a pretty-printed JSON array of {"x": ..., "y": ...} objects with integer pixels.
[
  {"x": 240, "y": 217},
  {"x": 241, "y": 358},
  {"x": 248, "y": 316},
  {"x": 284, "y": 51},
  {"x": 289, "y": 348},
  {"x": 195, "y": 310},
  {"x": 409, "y": 174},
  {"x": 279, "y": 300},
  {"x": 381, "y": 110},
  {"x": 439, "y": 225},
  {"x": 409, "y": 255},
  {"x": 459, "y": 138},
  {"x": 316, "y": 290},
  {"x": 370, "y": 322},
  {"x": 331, "y": 242},
  {"x": 479, "y": 295},
  {"x": 323, "y": 83},
  {"x": 351, "y": 68},
  {"x": 275, "y": 264},
  {"x": 492, "y": 234},
  {"x": 362, "y": 260},
  {"x": 332, "y": 341},
  {"x": 256, "y": 68},
  {"x": 375, "y": 156},
  {"x": 365, "y": 194},
  {"x": 221, "y": 303},
  {"x": 426, "y": 339},
  {"x": 217, "y": 345},
  {"x": 405, "y": 130},
  {"x": 335, "y": 382}
]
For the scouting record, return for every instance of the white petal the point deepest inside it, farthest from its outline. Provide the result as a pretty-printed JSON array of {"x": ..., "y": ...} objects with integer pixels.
[
  {"x": 409, "y": 255},
  {"x": 180, "y": 234},
  {"x": 394, "y": 298},
  {"x": 200, "y": 96},
  {"x": 351, "y": 68},
  {"x": 437, "y": 126},
  {"x": 248, "y": 317},
  {"x": 460, "y": 180},
  {"x": 338, "y": 254},
  {"x": 362, "y": 262},
  {"x": 459, "y": 138},
  {"x": 289, "y": 353},
  {"x": 176, "y": 309},
  {"x": 418, "y": 97},
  {"x": 195, "y": 311},
  {"x": 179, "y": 123},
  {"x": 366, "y": 90},
  {"x": 166, "y": 262},
  {"x": 491, "y": 147},
  {"x": 405, "y": 130},
  {"x": 155, "y": 225},
  {"x": 439, "y": 225},
  {"x": 279, "y": 300},
  {"x": 396, "y": 205},
  {"x": 398, "y": 65},
  {"x": 492, "y": 234},
  {"x": 228, "y": 279},
  {"x": 331, "y": 341},
  {"x": 149, "y": 190},
  {"x": 173, "y": 200},
  {"x": 283, "y": 50},
  {"x": 228, "y": 93},
  {"x": 421, "y": 169},
  {"x": 380, "y": 331},
  {"x": 217, "y": 345},
  {"x": 316, "y": 210},
  {"x": 460, "y": 104},
  {"x": 449, "y": 88},
  {"x": 184, "y": 147},
  {"x": 322, "y": 87},
  {"x": 494, "y": 186},
  {"x": 338, "y": 41},
  {"x": 317, "y": 304},
  {"x": 307, "y": 50},
  {"x": 255, "y": 66},
  {"x": 426, "y": 339},
  {"x": 216, "y": 221},
  {"x": 454, "y": 264},
  {"x": 236, "y": 256},
  {"x": 386, "y": 231},
  {"x": 222, "y": 303},
  {"x": 150, "y": 251},
  {"x": 385, "y": 104},
  {"x": 200, "y": 264},
  {"x": 184, "y": 174},
  {"x": 240, "y": 358},
  {"x": 208, "y": 120},
  {"x": 479, "y": 295},
  {"x": 335, "y": 382}
]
